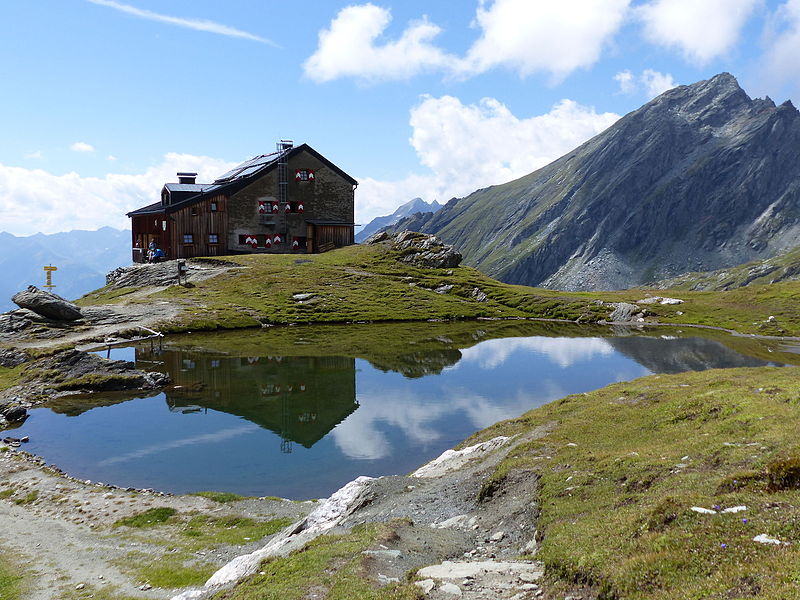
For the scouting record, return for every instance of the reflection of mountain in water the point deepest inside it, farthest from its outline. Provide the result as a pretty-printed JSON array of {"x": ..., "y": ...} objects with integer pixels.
[
  {"x": 299, "y": 398},
  {"x": 418, "y": 364},
  {"x": 677, "y": 355}
]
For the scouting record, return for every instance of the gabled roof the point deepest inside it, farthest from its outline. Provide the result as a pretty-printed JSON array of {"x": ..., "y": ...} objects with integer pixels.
[
  {"x": 150, "y": 209},
  {"x": 237, "y": 178}
]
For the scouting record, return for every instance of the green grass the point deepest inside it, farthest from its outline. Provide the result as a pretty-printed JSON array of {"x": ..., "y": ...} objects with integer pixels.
[
  {"x": 204, "y": 531},
  {"x": 183, "y": 536},
  {"x": 28, "y": 498},
  {"x": 169, "y": 571},
  {"x": 105, "y": 295},
  {"x": 11, "y": 581},
  {"x": 94, "y": 381},
  {"x": 369, "y": 284},
  {"x": 10, "y": 376},
  {"x": 330, "y": 567},
  {"x": 615, "y": 508},
  {"x": 221, "y": 497},
  {"x": 91, "y": 592},
  {"x": 148, "y": 518},
  {"x": 6, "y": 493},
  {"x": 777, "y": 268}
]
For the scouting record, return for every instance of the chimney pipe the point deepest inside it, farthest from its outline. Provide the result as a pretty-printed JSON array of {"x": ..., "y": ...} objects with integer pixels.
[{"x": 187, "y": 177}]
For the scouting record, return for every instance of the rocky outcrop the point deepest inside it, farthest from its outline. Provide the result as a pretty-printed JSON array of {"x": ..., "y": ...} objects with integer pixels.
[
  {"x": 12, "y": 411},
  {"x": 12, "y": 358},
  {"x": 76, "y": 370},
  {"x": 47, "y": 304},
  {"x": 417, "y": 205},
  {"x": 700, "y": 178},
  {"x": 419, "y": 249}
]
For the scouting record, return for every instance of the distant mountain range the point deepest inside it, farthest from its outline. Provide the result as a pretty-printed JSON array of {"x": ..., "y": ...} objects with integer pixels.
[
  {"x": 417, "y": 205},
  {"x": 702, "y": 177},
  {"x": 83, "y": 258}
]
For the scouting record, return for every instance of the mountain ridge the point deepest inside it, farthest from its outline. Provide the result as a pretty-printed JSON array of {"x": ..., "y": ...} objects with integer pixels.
[
  {"x": 83, "y": 258},
  {"x": 700, "y": 178},
  {"x": 417, "y": 205}
]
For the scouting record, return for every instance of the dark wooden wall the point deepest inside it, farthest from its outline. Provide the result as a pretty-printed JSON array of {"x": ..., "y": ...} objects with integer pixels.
[{"x": 199, "y": 221}]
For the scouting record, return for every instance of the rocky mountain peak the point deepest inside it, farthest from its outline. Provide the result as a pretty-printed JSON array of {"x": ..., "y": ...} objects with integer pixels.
[
  {"x": 700, "y": 178},
  {"x": 712, "y": 102}
]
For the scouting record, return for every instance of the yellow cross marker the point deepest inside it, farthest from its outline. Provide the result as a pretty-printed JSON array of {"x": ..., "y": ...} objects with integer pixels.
[{"x": 49, "y": 274}]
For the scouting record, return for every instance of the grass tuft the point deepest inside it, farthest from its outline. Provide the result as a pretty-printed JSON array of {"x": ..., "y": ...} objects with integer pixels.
[
  {"x": 148, "y": 518},
  {"x": 221, "y": 497}
]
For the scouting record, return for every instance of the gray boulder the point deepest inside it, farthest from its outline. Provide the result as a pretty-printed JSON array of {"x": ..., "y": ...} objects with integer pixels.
[
  {"x": 420, "y": 249},
  {"x": 12, "y": 411},
  {"x": 12, "y": 358},
  {"x": 624, "y": 312},
  {"x": 47, "y": 304}
]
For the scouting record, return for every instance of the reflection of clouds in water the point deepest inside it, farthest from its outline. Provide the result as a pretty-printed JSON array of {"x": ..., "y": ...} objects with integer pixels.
[
  {"x": 562, "y": 351},
  {"x": 359, "y": 436},
  {"x": 217, "y": 436},
  {"x": 483, "y": 412}
]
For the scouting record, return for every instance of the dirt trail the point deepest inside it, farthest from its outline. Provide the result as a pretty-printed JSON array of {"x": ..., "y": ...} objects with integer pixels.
[
  {"x": 106, "y": 321},
  {"x": 62, "y": 530}
]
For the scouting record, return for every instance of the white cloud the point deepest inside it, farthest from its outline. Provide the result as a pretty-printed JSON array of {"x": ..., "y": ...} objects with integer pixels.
[
  {"x": 81, "y": 147},
  {"x": 781, "y": 64},
  {"x": 33, "y": 200},
  {"x": 553, "y": 37},
  {"x": 702, "y": 30},
  {"x": 37, "y": 155},
  {"x": 349, "y": 48},
  {"x": 111, "y": 157},
  {"x": 627, "y": 82},
  {"x": 196, "y": 24},
  {"x": 468, "y": 147},
  {"x": 529, "y": 37},
  {"x": 656, "y": 83},
  {"x": 651, "y": 82}
]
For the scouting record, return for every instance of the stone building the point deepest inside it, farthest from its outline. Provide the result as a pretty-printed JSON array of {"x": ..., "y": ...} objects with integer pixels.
[{"x": 291, "y": 201}]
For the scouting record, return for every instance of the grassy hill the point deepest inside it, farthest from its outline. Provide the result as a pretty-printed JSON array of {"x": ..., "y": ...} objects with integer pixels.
[
  {"x": 621, "y": 468},
  {"x": 370, "y": 284},
  {"x": 784, "y": 267}
]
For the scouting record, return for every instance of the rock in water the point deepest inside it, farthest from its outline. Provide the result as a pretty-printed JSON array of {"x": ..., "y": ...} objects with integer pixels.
[{"x": 47, "y": 304}]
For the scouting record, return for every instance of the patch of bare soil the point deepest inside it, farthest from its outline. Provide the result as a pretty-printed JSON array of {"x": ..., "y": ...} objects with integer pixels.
[
  {"x": 464, "y": 547},
  {"x": 25, "y": 329},
  {"x": 63, "y": 530}
]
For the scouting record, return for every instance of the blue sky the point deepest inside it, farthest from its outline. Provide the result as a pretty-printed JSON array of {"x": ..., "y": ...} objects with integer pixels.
[{"x": 103, "y": 101}]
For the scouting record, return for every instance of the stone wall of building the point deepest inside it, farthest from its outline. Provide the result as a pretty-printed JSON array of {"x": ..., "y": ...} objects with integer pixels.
[{"x": 329, "y": 197}]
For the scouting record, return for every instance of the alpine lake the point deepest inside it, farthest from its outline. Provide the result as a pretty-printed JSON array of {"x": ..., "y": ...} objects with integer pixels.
[{"x": 297, "y": 412}]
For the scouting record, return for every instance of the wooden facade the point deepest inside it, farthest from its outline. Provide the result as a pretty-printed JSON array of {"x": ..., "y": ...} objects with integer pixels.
[{"x": 293, "y": 201}]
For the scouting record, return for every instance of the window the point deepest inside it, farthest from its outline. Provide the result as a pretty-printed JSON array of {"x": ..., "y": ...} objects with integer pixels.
[
  {"x": 188, "y": 238},
  {"x": 214, "y": 207},
  {"x": 304, "y": 175},
  {"x": 213, "y": 238}
]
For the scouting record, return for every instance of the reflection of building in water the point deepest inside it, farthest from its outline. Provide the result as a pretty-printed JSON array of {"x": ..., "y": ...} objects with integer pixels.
[{"x": 299, "y": 398}]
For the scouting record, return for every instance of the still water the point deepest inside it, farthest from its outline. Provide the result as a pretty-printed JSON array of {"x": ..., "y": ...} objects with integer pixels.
[{"x": 266, "y": 414}]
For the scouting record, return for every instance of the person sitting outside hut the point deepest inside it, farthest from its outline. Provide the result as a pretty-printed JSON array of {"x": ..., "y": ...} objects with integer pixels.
[{"x": 155, "y": 255}]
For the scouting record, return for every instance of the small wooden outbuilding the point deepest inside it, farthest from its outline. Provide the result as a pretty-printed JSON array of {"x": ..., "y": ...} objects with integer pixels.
[{"x": 291, "y": 201}]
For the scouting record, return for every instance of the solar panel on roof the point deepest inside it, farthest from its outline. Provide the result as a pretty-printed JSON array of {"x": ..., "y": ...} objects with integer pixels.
[
  {"x": 247, "y": 168},
  {"x": 249, "y": 171}
]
